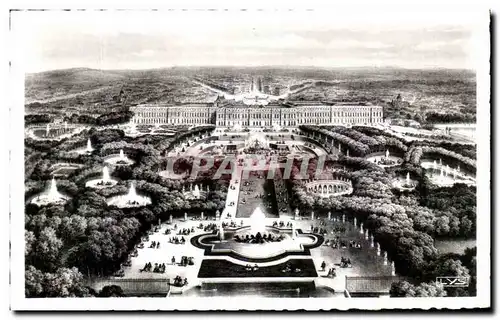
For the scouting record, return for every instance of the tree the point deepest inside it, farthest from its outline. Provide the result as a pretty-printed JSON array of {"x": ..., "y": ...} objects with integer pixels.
[
  {"x": 29, "y": 240},
  {"x": 48, "y": 248},
  {"x": 111, "y": 291},
  {"x": 406, "y": 289},
  {"x": 65, "y": 283},
  {"x": 33, "y": 282}
]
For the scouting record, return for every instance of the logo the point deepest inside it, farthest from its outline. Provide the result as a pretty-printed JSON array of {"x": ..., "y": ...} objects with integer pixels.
[{"x": 457, "y": 282}]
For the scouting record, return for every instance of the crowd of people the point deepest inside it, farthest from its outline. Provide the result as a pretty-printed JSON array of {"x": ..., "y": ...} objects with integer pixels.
[
  {"x": 338, "y": 243},
  {"x": 155, "y": 245},
  {"x": 158, "y": 268},
  {"x": 259, "y": 238},
  {"x": 318, "y": 230},
  {"x": 210, "y": 227},
  {"x": 185, "y": 261},
  {"x": 281, "y": 224},
  {"x": 176, "y": 240},
  {"x": 179, "y": 282},
  {"x": 185, "y": 231},
  {"x": 345, "y": 262}
]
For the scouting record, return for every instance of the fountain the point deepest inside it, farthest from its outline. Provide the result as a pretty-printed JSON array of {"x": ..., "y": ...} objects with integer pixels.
[
  {"x": 355, "y": 223},
  {"x": 170, "y": 219},
  {"x": 393, "y": 269},
  {"x": 329, "y": 215},
  {"x": 196, "y": 192},
  {"x": 202, "y": 218},
  {"x": 347, "y": 153},
  {"x": 217, "y": 215},
  {"x": 343, "y": 218},
  {"x": 312, "y": 215},
  {"x": 65, "y": 125},
  {"x": 361, "y": 231},
  {"x": 458, "y": 168},
  {"x": 366, "y": 234},
  {"x": 119, "y": 159},
  {"x": 385, "y": 258},
  {"x": 47, "y": 130},
  {"x": 51, "y": 196},
  {"x": 104, "y": 182},
  {"x": 257, "y": 221},
  {"x": 131, "y": 199},
  {"x": 385, "y": 160},
  {"x": 105, "y": 174},
  {"x": 455, "y": 174},
  {"x": 408, "y": 179},
  {"x": 131, "y": 191},
  {"x": 89, "y": 146},
  {"x": 447, "y": 170},
  {"x": 221, "y": 232},
  {"x": 440, "y": 162},
  {"x": 371, "y": 241},
  {"x": 185, "y": 216},
  {"x": 378, "y": 249},
  {"x": 53, "y": 192},
  {"x": 296, "y": 216},
  {"x": 434, "y": 165}
]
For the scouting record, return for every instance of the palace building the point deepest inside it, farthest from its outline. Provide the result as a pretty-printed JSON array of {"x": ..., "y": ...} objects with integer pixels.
[{"x": 228, "y": 113}]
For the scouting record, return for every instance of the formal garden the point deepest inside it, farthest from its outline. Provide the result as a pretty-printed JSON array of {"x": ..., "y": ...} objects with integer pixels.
[{"x": 89, "y": 236}]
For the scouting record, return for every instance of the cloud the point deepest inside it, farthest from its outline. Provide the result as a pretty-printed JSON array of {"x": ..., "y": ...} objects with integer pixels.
[{"x": 238, "y": 40}]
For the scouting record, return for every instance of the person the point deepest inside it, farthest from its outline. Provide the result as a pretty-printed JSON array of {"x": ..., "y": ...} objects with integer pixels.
[
  {"x": 173, "y": 260},
  {"x": 157, "y": 245},
  {"x": 323, "y": 266}
]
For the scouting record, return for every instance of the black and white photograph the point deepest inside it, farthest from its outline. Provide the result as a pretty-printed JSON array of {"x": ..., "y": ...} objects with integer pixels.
[{"x": 243, "y": 159}]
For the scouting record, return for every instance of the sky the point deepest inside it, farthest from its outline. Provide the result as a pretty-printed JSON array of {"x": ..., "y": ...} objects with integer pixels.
[{"x": 50, "y": 40}]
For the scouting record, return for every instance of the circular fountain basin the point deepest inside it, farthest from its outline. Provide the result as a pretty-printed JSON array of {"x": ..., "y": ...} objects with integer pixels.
[
  {"x": 125, "y": 201},
  {"x": 44, "y": 199},
  {"x": 403, "y": 184},
  {"x": 82, "y": 151},
  {"x": 100, "y": 183},
  {"x": 379, "y": 161},
  {"x": 117, "y": 160}
]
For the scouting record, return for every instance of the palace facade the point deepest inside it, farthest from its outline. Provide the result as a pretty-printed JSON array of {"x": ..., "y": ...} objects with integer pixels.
[{"x": 287, "y": 114}]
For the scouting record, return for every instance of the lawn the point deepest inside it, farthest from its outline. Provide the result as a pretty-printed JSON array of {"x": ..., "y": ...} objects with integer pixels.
[{"x": 226, "y": 269}]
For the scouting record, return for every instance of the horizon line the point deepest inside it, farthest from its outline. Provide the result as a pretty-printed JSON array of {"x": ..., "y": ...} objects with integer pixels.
[{"x": 256, "y": 67}]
